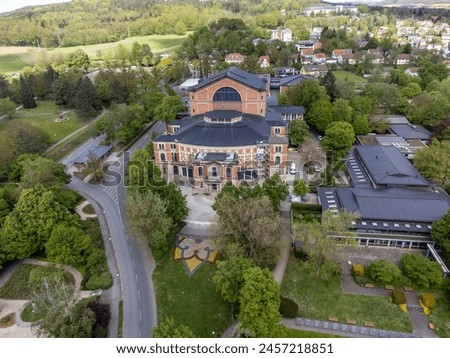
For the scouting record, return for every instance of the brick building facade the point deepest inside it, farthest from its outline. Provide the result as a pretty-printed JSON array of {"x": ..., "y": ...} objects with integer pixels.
[{"x": 227, "y": 138}]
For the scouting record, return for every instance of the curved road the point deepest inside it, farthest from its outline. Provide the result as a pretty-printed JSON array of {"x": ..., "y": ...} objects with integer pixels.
[{"x": 135, "y": 262}]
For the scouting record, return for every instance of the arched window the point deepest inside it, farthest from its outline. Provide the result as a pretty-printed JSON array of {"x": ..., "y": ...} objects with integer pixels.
[
  {"x": 213, "y": 171},
  {"x": 163, "y": 157},
  {"x": 277, "y": 160},
  {"x": 227, "y": 94}
]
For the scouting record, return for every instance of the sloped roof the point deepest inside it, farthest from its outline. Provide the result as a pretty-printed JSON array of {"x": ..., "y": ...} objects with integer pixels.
[
  {"x": 93, "y": 154},
  {"x": 235, "y": 74},
  {"x": 292, "y": 80},
  {"x": 388, "y": 166},
  {"x": 391, "y": 204},
  {"x": 196, "y": 131}
]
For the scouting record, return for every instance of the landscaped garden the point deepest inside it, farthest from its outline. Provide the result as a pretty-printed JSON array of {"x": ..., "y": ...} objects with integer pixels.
[
  {"x": 27, "y": 280},
  {"x": 320, "y": 298},
  {"x": 190, "y": 301}
]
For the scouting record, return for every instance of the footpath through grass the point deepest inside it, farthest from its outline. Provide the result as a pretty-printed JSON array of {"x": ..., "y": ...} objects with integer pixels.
[
  {"x": 191, "y": 301},
  {"x": 320, "y": 298},
  {"x": 43, "y": 117}
]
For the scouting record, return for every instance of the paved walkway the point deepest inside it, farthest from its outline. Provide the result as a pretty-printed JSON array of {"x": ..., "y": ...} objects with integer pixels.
[{"x": 20, "y": 328}]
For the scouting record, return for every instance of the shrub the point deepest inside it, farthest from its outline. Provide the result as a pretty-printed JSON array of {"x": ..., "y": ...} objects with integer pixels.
[
  {"x": 158, "y": 254},
  {"x": 300, "y": 253},
  {"x": 398, "y": 297},
  {"x": 383, "y": 271},
  {"x": 358, "y": 270},
  {"x": 288, "y": 308},
  {"x": 99, "y": 282},
  {"x": 427, "y": 299},
  {"x": 421, "y": 271}
]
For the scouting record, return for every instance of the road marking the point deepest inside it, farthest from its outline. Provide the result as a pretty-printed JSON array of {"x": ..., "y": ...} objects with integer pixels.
[
  {"x": 129, "y": 248},
  {"x": 137, "y": 280},
  {"x": 139, "y": 295},
  {"x": 140, "y": 316},
  {"x": 134, "y": 263}
]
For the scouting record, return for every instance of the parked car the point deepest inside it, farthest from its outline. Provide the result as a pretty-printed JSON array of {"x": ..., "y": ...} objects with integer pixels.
[
  {"x": 296, "y": 199},
  {"x": 293, "y": 169}
]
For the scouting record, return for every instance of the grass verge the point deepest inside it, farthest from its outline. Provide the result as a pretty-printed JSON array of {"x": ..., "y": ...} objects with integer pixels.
[
  {"x": 320, "y": 298},
  {"x": 88, "y": 209},
  {"x": 295, "y": 333},
  {"x": 61, "y": 150},
  {"x": 191, "y": 301},
  {"x": 120, "y": 324}
]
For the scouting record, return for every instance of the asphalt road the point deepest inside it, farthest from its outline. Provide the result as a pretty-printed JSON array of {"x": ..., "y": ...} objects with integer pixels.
[{"x": 134, "y": 261}]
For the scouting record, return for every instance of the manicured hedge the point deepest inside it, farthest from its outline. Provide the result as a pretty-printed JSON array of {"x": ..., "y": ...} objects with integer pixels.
[
  {"x": 427, "y": 299},
  {"x": 398, "y": 297},
  {"x": 358, "y": 270}
]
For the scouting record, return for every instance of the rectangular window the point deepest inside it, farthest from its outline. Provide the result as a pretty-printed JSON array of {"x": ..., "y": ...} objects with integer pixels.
[
  {"x": 174, "y": 157},
  {"x": 277, "y": 130},
  {"x": 161, "y": 146},
  {"x": 278, "y": 148},
  {"x": 200, "y": 171},
  {"x": 173, "y": 146}
]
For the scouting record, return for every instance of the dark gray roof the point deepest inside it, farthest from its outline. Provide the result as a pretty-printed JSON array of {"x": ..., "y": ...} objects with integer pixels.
[
  {"x": 391, "y": 204},
  {"x": 235, "y": 74},
  {"x": 93, "y": 154},
  {"x": 293, "y": 80},
  {"x": 410, "y": 131},
  {"x": 272, "y": 116},
  {"x": 288, "y": 109},
  {"x": 272, "y": 100},
  {"x": 220, "y": 157},
  {"x": 222, "y": 114},
  {"x": 388, "y": 166},
  {"x": 196, "y": 131}
]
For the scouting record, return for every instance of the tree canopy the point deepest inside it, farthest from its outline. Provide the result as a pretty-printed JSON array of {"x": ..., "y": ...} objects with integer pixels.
[{"x": 339, "y": 138}]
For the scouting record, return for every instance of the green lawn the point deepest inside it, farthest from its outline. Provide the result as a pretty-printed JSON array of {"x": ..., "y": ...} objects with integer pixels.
[
  {"x": 440, "y": 316},
  {"x": 351, "y": 77},
  {"x": 28, "y": 315},
  {"x": 67, "y": 146},
  {"x": 318, "y": 298},
  {"x": 43, "y": 117},
  {"x": 191, "y": 301}
]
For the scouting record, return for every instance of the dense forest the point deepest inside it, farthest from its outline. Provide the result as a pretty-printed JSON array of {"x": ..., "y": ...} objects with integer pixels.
[{"x": 83, "y": 22}]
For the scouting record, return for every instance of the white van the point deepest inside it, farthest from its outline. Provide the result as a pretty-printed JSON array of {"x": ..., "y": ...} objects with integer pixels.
[{"x": 293, "y": 168}]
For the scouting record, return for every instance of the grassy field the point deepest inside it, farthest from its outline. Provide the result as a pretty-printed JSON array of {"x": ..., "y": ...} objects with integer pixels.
[
  {"x": 351, "y": 77},
  {"x": 318, "y": 299},
  {"x": 13, "y": 59},
  {"x": 43, "y": 117},
  {"x": 191, "y": 301},
  {"x": 440, "y": 316}
]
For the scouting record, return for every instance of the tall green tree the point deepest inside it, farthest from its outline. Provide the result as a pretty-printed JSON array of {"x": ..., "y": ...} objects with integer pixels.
[
  {"x": 28, "y": 227},
  {"x": 275, "y": 189},
  {"x": 259, "y": 303},
  {"x": 169, "y": 108},
  {"x": 300, "y": 188},
  {"x": 321, "y": 115},
  {"x": 329, "y": 82},
  {"x": 342, "y": 111},
  {"x": 249, "y": 228},
  {"x": 229, "y": 277},
  {"x": 338, "y": 139},
  {"x": 298, "y": 131},
  {"x": 147, "y": 214},
  {"x": 27, "y": 94},
  {"x": 87, "y": 102},
  {"x": 306, "y": 93},
  {"x": 7, "y": 107},
  {"x": 68, "y": 245},
  {"x": 434, "y": 162},
  {"x": 440, "y": 232},
  {"x": 78, "y": 59}
]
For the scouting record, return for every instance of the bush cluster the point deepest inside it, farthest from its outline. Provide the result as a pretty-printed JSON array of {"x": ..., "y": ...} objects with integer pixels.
[
  {"x": 398, "y": 297},
  {"x": 427, "y": 299},
  {"x": 384, "y": 272},
  {"x": 288, "y": 308},
  {"x": 358, "y": 270}
]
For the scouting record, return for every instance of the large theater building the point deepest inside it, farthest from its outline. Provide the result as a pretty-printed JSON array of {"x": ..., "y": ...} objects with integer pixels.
[{"x": 226, "y": 138}]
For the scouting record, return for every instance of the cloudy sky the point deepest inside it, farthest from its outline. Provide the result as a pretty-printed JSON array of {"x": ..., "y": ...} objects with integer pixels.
[{"x": 9, "y": 5}]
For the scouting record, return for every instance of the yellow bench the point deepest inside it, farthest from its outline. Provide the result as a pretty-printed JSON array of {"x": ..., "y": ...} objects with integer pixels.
[
  {"x": 333, "y": 319},
  {"x": 369, "y": 324},
  {"x": 351, "y": 321},
  {"x": 369, "y": 285},
  {"x": 388, "y": 287}
]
